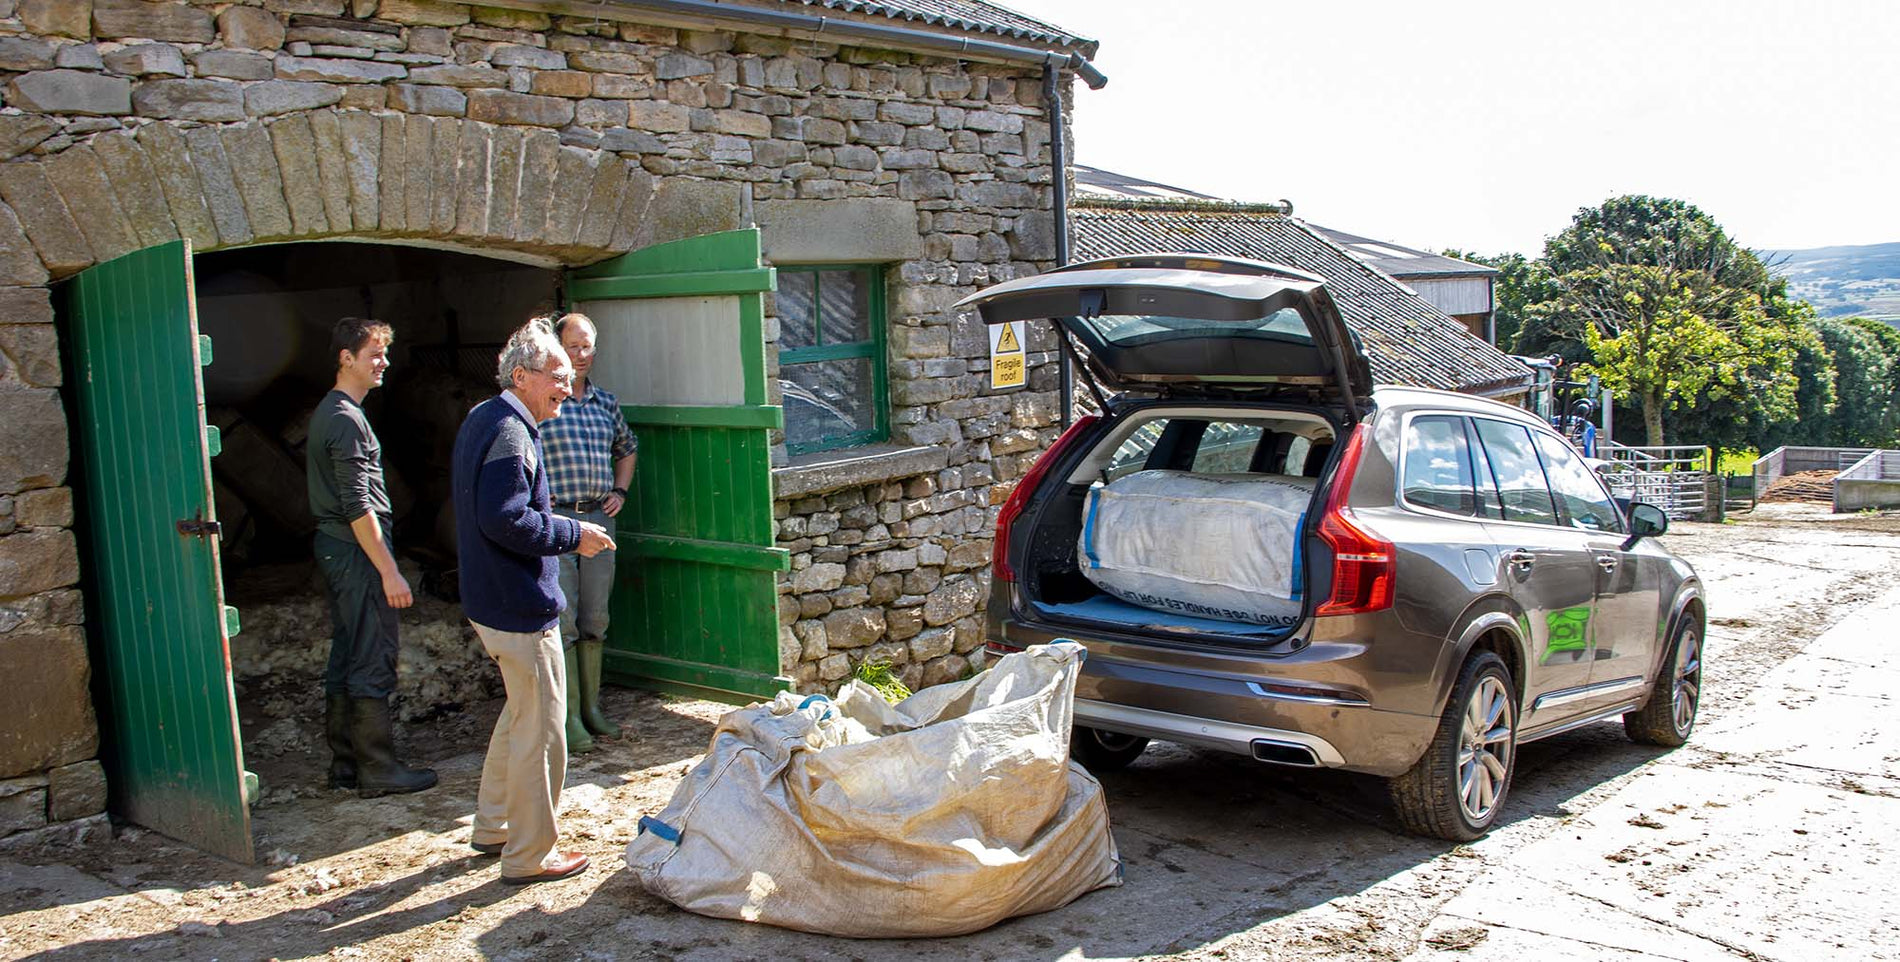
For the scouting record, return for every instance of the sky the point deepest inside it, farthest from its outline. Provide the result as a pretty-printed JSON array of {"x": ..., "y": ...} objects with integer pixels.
[{"x": 1485, "y": 126}]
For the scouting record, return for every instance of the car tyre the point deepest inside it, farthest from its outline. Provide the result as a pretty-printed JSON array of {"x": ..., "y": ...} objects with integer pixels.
[
  {"x": 1457, "y": 788},
  {"x": 1101, "y": 751},
  {"x": 1669, "y": 716}
]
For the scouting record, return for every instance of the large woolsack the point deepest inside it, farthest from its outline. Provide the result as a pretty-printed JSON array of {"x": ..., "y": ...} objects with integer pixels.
[
  {"x": 944, "y": 814},
  {"x": 1221, "y": 546}
]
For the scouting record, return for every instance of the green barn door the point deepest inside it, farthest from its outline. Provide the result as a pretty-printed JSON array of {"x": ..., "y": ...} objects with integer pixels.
[
  {"x": 682, "y": 344},
  {"x": 161, "y": 654}
]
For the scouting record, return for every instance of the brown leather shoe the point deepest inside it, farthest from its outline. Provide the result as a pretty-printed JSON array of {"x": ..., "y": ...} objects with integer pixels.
[
  {"x": 487, "y": 848},
  {"x": 565, "y": 865}
]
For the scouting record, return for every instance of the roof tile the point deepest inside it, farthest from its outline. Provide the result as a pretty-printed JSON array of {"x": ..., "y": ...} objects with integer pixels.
[{"x": 1407, "y": 339}]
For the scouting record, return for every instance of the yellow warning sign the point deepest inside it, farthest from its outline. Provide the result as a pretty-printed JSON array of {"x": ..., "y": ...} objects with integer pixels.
[
  {"x": 1007, "y": 340},
  {"x": 1009, "y": 364},
  {"x": 1008, "y": 371}
]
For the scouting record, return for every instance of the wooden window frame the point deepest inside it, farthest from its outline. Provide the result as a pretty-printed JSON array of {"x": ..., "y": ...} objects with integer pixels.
[{"x": 871, "y": 275}]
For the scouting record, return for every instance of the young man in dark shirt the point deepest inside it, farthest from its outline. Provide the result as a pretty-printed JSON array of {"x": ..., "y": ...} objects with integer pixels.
[{"x": 344, "y": 466}]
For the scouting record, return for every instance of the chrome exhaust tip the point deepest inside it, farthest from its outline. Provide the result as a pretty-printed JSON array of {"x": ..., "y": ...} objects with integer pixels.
[{"x": 1284, "y": 753}]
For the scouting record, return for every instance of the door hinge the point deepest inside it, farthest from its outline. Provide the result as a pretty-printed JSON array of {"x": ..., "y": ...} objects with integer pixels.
[{"x": 199, "y": 527}]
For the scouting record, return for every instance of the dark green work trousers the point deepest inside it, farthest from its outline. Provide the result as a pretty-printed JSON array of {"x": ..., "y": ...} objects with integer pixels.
[{"x": 363, "y": 627}]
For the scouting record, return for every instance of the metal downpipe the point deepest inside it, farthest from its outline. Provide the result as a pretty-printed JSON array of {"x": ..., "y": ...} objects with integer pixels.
[{"x": 1059, "y": 164}]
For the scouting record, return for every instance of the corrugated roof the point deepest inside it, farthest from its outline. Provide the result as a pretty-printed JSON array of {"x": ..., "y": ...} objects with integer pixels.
[
  {"x": 1401, "y": 261},
  {"x": 973, "y": 16},
  {"x": 1096, "y": 182},
  {"x": 1407, "y": 339}
]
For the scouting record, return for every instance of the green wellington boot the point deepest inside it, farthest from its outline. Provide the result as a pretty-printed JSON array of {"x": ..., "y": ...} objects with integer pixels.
[
  {"x": 578, "y": 741},
  {"x": 591, "y": 715}
]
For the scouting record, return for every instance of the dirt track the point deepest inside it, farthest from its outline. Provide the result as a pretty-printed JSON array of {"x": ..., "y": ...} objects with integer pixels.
[{"x": 1224, "y": 857}]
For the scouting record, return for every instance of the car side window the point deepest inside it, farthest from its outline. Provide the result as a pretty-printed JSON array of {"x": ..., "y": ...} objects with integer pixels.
[
  {"x": 1489, "y": 505},
  {"x": 1226, "y": 448},
  {"x": 1133, "y": 454},
  {"x": 1580, "y": 496},
  {"x": 1519, "y": 475},
  {"x": 1438, "y": 466}
]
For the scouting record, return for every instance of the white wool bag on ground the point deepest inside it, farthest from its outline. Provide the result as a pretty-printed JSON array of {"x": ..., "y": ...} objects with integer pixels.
[
  {"x": 943, "y": 814},
  {"x": 1222, "y": 546}
]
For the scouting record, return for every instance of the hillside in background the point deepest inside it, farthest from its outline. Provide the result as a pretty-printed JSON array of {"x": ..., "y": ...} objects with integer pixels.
[{"x": 1844, "y": 281}]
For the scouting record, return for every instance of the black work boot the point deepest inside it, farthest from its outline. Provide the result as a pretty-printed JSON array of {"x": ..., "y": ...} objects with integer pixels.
[
  {"x": 378, "y": 771},
  {"x": 336, "y": 725}
]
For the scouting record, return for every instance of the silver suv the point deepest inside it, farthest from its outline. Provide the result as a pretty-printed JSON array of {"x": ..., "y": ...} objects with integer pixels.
[{"x": 1463, "y": 581}]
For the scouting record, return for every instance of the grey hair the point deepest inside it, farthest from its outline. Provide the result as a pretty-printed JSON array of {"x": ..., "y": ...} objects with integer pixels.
[{"x": 533, "y": 347}]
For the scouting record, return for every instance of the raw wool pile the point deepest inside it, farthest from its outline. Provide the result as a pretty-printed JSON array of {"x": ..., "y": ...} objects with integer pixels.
[
  {"x": 282, "y": 648},
  {"x": 1814, "y": 486}
]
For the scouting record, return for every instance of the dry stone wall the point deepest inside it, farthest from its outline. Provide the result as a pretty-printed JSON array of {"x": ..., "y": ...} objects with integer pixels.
[{"x": 129, "y": 123}]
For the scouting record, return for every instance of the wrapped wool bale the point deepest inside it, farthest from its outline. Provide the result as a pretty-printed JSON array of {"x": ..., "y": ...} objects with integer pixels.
[
  {"x": 1222, "y": 546},
  {"x": 946, "y": 813}
]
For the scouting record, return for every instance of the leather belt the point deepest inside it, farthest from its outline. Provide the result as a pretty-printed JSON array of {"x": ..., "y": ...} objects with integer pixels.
[{"x": 580, "y": 507}]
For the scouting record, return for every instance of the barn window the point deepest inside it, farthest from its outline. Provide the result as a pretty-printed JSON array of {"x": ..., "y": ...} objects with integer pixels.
[{"x": 831, "y": 356}]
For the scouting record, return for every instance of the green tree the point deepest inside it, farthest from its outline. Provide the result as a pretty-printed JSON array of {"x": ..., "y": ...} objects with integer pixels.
[
  {"x": 1671, "y": 312},
  {"x": 1885, "y": 432}
]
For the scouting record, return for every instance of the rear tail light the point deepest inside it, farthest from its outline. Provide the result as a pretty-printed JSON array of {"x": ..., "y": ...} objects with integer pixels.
[
  {"x": 1365, "y": 568},
  {"x": 999, "y": 563}
]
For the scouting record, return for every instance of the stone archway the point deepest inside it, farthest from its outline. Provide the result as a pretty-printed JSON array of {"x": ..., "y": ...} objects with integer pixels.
[
  {"x": 320, "y": 174},
  {"x": 323, "y": 174}
]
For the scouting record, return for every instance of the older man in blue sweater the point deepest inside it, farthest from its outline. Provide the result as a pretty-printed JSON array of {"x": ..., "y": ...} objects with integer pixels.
[{"x": 508, "y": 538}]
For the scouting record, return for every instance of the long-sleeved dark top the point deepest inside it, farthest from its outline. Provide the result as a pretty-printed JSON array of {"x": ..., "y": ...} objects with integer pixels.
[
  {"x": 343, "y": 468},
  {"x": 507, "y": 535}
]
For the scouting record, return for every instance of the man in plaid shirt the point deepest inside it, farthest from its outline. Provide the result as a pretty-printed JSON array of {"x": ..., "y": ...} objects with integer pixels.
[{"x": 589, "y": 453}]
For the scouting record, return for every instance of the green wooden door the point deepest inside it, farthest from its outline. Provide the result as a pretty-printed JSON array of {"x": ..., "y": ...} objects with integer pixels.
[
  {"x": 161, "y": 655},
  {"x": 682, "y": 344}
]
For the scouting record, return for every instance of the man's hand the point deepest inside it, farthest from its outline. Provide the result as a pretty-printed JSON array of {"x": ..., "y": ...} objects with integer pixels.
[
  {"x": 396, "y": 590},
  {"x": 594, "y": 539},
  {"x": 612, "y": 504}
]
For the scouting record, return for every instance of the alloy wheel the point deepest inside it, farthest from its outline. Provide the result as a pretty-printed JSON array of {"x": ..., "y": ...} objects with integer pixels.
[
  {"x": 1688, "y": 689},
  {"x": 1484, "y": 751}
]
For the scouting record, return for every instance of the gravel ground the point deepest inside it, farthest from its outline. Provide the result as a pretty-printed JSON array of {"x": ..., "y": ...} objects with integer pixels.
[{"x": 1225, "y": 858}]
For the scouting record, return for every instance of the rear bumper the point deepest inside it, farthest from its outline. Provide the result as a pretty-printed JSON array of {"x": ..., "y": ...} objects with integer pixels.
[
  {"x": 1205, "y": 732},
  {"x": 1317, "y": 706}
]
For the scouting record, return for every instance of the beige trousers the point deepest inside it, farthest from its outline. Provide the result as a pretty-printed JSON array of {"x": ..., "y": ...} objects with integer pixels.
[{"x": 527, "y": 755}]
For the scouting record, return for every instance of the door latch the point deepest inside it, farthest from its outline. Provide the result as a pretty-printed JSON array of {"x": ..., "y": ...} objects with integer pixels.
[{"x": 199, "y": 527}]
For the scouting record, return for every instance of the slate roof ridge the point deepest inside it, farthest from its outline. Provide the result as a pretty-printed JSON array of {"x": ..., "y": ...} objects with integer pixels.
[
  {"x": 1182, "y": 205},
  {"x": 969, "y": 16}
]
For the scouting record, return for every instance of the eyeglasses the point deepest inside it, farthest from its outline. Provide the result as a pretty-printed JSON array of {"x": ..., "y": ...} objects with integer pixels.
[{"x": 564, "y": 380}]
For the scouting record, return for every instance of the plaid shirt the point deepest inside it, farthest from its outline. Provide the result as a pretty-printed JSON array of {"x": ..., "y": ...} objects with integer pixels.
[{"x": 582, "y": 445}]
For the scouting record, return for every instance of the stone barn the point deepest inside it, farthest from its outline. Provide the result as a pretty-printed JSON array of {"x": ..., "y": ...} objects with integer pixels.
[{"x": 767, "y": 207}]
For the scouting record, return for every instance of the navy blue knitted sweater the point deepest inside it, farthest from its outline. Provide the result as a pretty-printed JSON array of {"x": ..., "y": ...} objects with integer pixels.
[{"x": 507, "y": 536}]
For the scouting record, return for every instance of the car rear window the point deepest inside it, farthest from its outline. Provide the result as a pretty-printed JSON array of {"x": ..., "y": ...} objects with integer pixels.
[{"x": 1133, "y": 330}]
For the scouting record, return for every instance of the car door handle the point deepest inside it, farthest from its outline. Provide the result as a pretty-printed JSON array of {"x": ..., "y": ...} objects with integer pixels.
[
  {"x": 1521, "y": 558},
  {"x": 1607, "y": 562}
]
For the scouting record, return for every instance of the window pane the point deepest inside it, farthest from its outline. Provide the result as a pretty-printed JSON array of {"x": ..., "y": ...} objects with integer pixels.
[
  {"x": 1133, "y": 454},
  {"x": 1520, "y": 478},
  {"x": 825, "y": 400},
  {"x": 797, "y": 316},
  {"x": 844, "y": 307},
  {"x": 1226, "y": 448},
  {"x": 1296, "y": 456},
  {"x": 1585, "y": 503},
  {"x": 1488, "y": 504},
  {"x": 1129, "y": 330},
  {"x": 1437, "y": 467}
]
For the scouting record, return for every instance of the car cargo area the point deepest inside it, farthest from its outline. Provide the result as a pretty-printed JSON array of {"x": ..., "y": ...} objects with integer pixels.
[{"x": 1234, "y": 484}]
